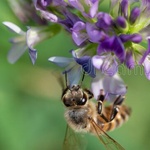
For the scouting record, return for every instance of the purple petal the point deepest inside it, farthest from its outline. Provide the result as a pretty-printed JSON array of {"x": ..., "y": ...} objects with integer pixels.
[
  {"x": 78, "y": 26},
  {"x": 86, "y": 64},
  {"x": 61, "y": 61},
  {"x": 79, "y": 38},
  {"x": 114, "y": 85},
  {"x": 111, "y": 85},
  {"x": 33, "y": 55},
  {"x": 94, "y": 8},
  {"x": 135, "y": 13},
  {"x": 121, "y": 21},
  {"x": 97, "y": 61},
  {"x": 136, "y": 38},
  {"x": 146, "y": 65},
  {"x": 78, "y": 33},
  {"x": 46, "y": 2},
  {"x": 119, "y": 49},
  {"x": 95, "y": 35},
  {"x": 146, "y": 53},
  {"x": 49, "y": 16},
  {"x": 129, "y": 60},
  {"x": 112, "y": 44},
  {"x": 106, "y": 45},
  {"x": 104, "y": 20},
  {"x": 70, "y": 19},
  {"x": 110, "y": 67},
  {"x": 124, "y": 8},
  {"x": 76, "y": 4}
]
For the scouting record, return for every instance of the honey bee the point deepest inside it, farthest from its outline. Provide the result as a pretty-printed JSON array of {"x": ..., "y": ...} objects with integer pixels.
[{"x": 83, "y": 115}]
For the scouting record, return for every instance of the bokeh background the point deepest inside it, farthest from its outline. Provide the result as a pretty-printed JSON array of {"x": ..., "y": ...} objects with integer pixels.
[{"x": 31, "y": 113}]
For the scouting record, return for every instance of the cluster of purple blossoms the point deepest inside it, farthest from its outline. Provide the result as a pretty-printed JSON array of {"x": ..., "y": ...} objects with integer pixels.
[{"x": 104, "y": 40}]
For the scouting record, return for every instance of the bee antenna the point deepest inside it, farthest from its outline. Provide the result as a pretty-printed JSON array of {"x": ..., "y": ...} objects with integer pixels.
[
  {"x": 66, "y": 79},
  {"x": 82, "y": 78}
]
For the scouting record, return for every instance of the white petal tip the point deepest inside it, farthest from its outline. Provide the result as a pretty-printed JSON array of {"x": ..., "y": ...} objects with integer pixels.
[
  {"x": 12, "y": 27},
  {"x": 51, "y": 59}
]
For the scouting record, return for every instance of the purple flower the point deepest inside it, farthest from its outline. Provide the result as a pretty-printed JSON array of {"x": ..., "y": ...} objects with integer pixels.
[
  {"x": 75, "y": 66},
  {"x": 135, "y": 38},
  {"x": 107, "y": 64},
  {"x": 27, "y": 40},
  {"x": 112, "y": 86},
  {"x": 109, "y": 52},
  {"x": 79, "y": 34},
  {"x": 113, "y": 45},
  {"x": 121, "y": 22},
  {"x": 104, "y": 21},
  {"x": 129, "y": 59},
  {"x": 88, "y": 8},
  {"x": 145, "y": 61},
  {"x": 124, "y": 8},
  {"x": 40, "y": 6},
  {"x": 45, "y": 2},
  {"x": 135, "y": 13},
  {"x": 69, "y": 21},
  {"x": 94, "y": 34}
]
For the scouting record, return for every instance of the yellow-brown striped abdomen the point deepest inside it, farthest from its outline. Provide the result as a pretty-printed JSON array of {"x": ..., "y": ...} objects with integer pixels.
[{"x": 121, "y": 117}]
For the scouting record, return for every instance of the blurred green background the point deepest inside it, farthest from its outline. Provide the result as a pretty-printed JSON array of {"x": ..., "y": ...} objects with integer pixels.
[{"x": 31, "y": 113}]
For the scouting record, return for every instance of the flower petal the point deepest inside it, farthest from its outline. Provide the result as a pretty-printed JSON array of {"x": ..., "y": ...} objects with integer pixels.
[
  {"x": 61, "y": 61},
  {"x": 104, "y": 20},
  {"x": 135, "y": 13},
  {"x": 94, "y": 8},
  {"x": 74, "y": 75},
  {"x": 124, "y": 8},
  {"x": 13, "y": 27},
  {"x": 46, "y": 2},
  {"x": 111, "y": 85},
  {"x": 110, "y": 67},
  {"x": 76, "y": 4},
  {"x": 97, "y": 61},
  {"x": 146, "y": 65},
  {"x": 129, "y": 60},
  {"x": 146, "y": 53},
  {"x": 119, "y": 49},
  {"x": 16, "y": 51},
  {"x": 49, "y": 16},
  {"x": 33, "y": 55},
  {"x": 86, "y": 64},
  {"x": 78, "y": 33},
  {"x": 95, "y": 35}
]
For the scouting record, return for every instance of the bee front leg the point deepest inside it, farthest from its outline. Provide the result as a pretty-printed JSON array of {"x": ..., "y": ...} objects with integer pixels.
[
  {"x": 89, "y": 93},
  {"x": 119, "y": 100},
  {"x": 100, "y": 100}
]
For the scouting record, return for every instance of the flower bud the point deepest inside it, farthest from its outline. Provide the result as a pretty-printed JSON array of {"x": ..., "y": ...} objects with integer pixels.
[{"x": 134, "y": 15}]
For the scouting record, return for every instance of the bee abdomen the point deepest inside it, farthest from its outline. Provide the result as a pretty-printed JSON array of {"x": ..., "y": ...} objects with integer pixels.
[{"x": 121, "y": 117}]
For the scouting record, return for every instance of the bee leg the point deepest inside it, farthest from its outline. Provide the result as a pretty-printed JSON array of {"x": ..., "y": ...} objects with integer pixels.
[
  {"x": 90, "y": 94},
  {"x": 116, "y": 105},
  {"x": 100, "y": 100}
]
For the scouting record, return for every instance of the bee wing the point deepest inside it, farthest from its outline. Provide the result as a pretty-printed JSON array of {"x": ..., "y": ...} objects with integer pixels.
[
  {"x": 60, "y": 79},
  {"x": 73, "y": 140},
  {"x": 108, "y": 142}
]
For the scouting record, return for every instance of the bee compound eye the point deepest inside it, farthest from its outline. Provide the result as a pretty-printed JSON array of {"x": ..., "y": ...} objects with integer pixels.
[
  {"x": 82, "y": 100},
  {"x": 67, "y": 102}
]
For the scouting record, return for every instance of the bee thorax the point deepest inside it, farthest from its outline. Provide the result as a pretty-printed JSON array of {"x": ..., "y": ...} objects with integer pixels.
[{"x": 77, "y": 119}]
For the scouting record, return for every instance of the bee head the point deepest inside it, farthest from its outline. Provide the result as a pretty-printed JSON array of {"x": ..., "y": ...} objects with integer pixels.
[{"x": 74, "y": 96}]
